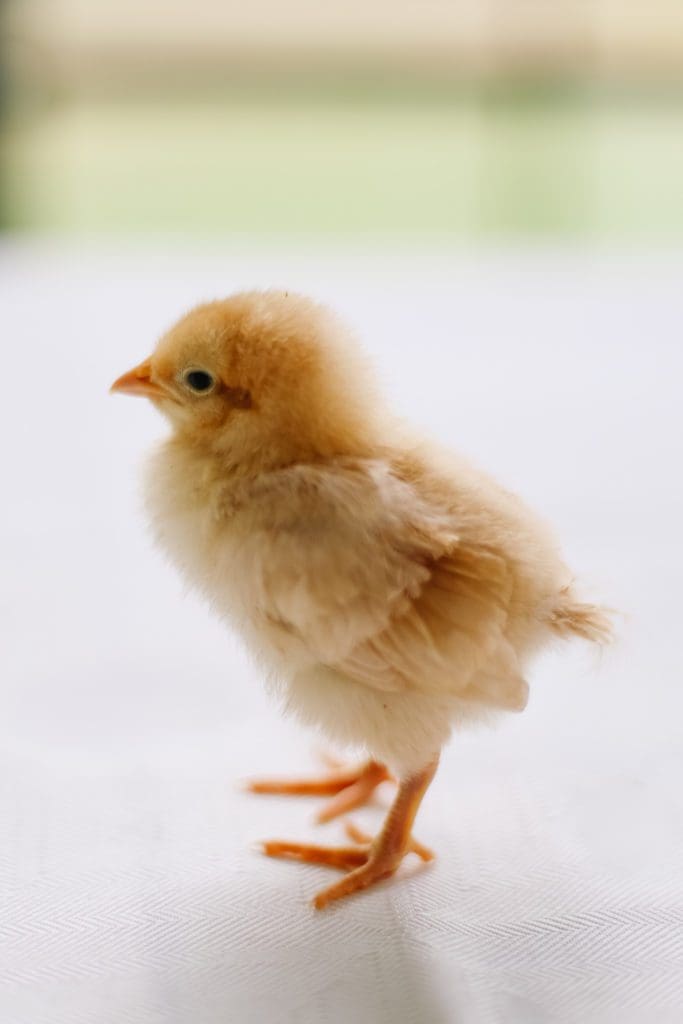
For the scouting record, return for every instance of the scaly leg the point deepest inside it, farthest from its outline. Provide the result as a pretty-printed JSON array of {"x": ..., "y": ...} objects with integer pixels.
[
  {"x": 350, "y": 788},
  {"x": 377, "y": 861}
]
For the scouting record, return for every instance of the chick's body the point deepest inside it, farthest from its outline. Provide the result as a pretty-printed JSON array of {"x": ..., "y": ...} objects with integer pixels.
[{"x": 390, "y": 590}]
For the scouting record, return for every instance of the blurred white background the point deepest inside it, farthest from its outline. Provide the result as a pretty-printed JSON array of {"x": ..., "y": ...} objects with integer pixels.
[{"x": 491, "y": 194}]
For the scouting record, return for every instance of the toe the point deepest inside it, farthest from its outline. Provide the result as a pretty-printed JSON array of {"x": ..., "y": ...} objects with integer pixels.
[
  {"x": 346, "y": 858},
  {"x": 363, "y": 877}
]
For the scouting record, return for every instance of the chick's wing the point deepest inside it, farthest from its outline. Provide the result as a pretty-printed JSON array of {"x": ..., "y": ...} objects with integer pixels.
[{"x": 375, "y": 581}]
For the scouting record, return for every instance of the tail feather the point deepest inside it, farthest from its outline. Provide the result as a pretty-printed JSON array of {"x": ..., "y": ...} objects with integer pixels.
[{"x": 592, "y": 622}]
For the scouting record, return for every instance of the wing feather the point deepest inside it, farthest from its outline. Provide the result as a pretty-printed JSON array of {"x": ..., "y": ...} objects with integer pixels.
[{"x": 379, "y": 585}]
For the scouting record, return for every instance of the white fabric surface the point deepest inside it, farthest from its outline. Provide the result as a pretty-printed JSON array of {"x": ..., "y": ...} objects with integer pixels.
[{"x": 128, "y": 888}]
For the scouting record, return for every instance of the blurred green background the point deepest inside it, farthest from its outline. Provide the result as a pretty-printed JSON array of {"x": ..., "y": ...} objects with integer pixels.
[{"x": 487, "y": 120}]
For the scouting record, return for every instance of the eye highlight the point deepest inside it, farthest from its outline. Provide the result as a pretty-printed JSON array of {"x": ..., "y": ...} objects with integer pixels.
[{"x": 198, "y": 381}]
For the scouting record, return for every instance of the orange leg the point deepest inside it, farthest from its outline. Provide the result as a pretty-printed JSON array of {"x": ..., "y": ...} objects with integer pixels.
[
  {"x": 350, "y": 788},
  {"x": 372, "y": 863}
]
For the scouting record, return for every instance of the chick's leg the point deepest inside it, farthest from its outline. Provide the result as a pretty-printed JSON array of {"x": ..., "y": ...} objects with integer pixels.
[
  {"x": 391, "y": 845},
  {"x": 349, "y": 788},
  {"x": 377, "y": 861}
]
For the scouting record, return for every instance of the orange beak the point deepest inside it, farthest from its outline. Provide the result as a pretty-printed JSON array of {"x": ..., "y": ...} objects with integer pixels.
[{"x": 138, "y": 381}]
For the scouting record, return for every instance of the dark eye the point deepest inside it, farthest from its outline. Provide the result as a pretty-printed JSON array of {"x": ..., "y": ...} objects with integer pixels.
[{"x": 198, "y": 380}]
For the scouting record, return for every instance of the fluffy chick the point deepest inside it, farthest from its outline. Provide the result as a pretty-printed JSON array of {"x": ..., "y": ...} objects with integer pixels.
[{"x": 390, "y": 590}]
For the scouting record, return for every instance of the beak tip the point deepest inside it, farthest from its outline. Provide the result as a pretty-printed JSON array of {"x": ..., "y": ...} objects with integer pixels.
[
  {"x": 136, "y": 382},
  {"x": 117, "y": 387}
]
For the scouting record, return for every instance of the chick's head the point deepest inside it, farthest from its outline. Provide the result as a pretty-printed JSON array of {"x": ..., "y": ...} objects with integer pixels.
[{"x": 266, "y": 376}]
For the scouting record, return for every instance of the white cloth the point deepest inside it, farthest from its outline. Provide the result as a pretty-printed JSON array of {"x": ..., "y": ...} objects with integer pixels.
[{"x": 129, "y": 891}]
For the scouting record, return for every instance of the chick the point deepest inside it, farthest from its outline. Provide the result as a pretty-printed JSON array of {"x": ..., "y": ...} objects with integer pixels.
[{"x": 390, "y": 591}]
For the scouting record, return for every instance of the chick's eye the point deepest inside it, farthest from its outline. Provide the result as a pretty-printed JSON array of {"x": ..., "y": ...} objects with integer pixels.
[{"x": 198, "y": 380}]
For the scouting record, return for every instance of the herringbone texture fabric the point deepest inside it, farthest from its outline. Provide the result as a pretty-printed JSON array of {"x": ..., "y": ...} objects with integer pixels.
[{"x": 131, "y": 895}]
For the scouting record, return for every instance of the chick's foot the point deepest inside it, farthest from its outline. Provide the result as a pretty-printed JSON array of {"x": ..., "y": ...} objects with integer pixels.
[
  {"x": 369, "y": 862},
  {"x": 349, "y": 788},
  {"x": 366, "y": 862}
]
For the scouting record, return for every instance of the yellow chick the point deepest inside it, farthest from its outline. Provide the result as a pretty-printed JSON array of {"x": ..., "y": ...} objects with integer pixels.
[{"x": 390, "y": 590}]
